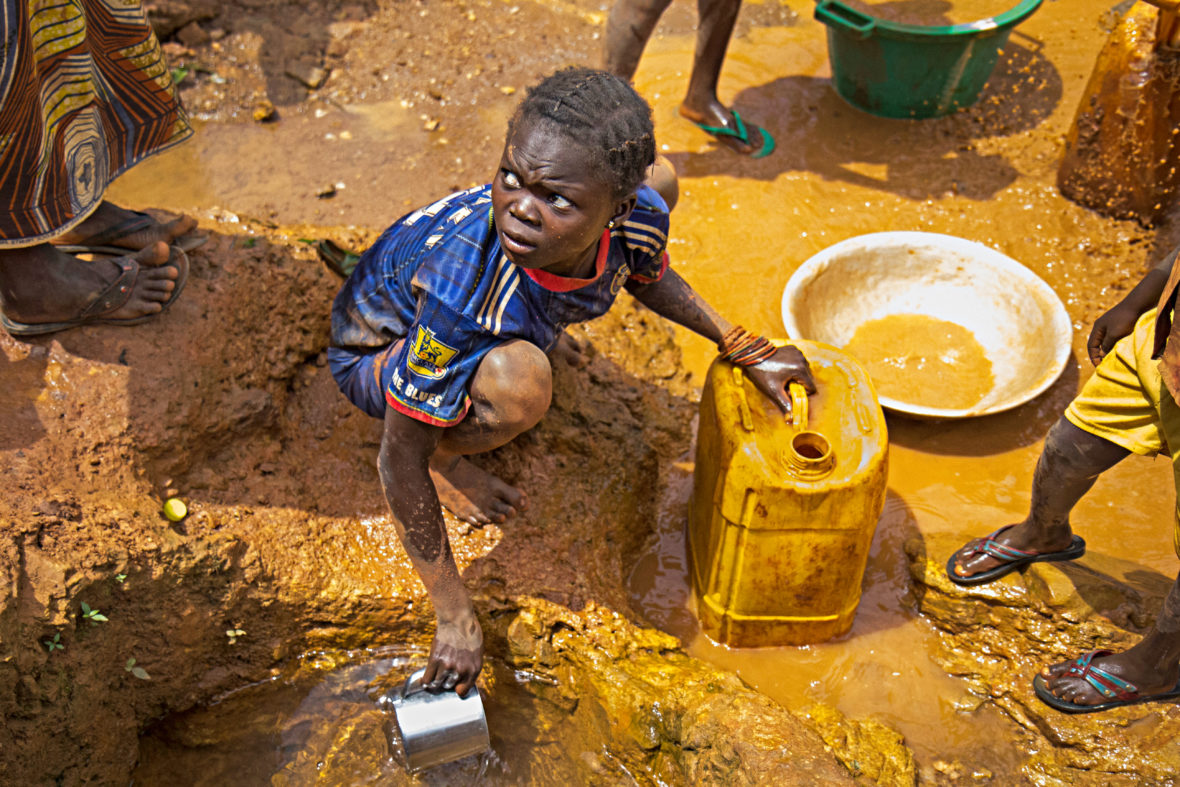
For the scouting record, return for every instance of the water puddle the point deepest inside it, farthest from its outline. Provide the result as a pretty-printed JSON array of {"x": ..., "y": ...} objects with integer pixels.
[{"x": 328, "y": 720}]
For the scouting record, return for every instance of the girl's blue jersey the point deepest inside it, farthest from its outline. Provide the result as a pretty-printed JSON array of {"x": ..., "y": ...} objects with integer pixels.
[{"x": 439, "y": 279}]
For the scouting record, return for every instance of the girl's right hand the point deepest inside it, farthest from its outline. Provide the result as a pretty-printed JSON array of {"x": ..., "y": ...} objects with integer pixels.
[
  {"x": 1108, "y": 329},
  {"x": 456, "y": 656}
]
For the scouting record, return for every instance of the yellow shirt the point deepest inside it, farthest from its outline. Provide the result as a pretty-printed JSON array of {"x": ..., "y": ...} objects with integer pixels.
[{"x": 1167, "y": 332}]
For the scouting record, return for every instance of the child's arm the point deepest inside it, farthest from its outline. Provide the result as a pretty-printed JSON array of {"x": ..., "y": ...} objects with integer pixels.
[
  {"x": 1120, "y": 320},
  {"x": 404, "y": 466},
  {"x": 672, "y": 297}
]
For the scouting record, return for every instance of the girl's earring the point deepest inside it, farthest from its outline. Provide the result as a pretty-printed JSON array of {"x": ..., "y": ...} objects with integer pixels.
[{"x": 610, "y": 225}]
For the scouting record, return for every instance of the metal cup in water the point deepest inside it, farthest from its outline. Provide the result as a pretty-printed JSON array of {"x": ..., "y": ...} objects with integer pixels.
[{"x": 438, "y": 728}]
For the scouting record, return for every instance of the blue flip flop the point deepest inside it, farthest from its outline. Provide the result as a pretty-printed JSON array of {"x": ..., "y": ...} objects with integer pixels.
[
  {"x": 741, "y": 133},
  {"x": 1013, "y": 558},
  {"x": 1118, "y": 692}
]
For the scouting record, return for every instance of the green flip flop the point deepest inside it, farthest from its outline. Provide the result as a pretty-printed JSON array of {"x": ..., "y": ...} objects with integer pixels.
[
  {"x": 339, "y": 260},
  {"x": 741, "y": 134}
]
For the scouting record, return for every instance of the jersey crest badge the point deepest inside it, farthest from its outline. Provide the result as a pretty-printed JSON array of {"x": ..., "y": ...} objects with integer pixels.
[
  {"x": 619, "y": 280},
  {"x": 428, "y": 356}
]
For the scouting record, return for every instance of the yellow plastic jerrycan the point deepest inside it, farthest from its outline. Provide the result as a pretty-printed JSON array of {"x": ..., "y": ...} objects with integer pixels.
[{"x": 784, "y": 508}]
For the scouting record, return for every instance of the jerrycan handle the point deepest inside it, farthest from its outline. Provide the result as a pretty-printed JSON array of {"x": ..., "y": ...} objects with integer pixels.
[
  {"x": 798, "y": 415},
  {"x": 743, "y": 402}
]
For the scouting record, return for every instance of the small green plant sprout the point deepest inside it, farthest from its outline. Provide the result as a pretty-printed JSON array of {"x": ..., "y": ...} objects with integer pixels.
[
  {"x": 93, "y": 615},
  {"x": 120, "y": 577},
  {"x": 55, "y": 643},
  {"x": 138, "y": 672},
  {"x": 233, "y": 635}
]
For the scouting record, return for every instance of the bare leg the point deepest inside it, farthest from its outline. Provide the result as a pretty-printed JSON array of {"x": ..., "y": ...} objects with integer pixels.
[
  {"x": 628, "y": 27},
  {"x": 1153, "y": 665},
  {"x": 717, "y": 18},
  {"x": 1069, "y": 465},
  {"x": 510, "y": 393},
  {"x": 40, "y": 284},
  {"x": 701, "y": 105}
]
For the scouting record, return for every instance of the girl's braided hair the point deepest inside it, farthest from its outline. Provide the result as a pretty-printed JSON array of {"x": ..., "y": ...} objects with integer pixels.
[{"x": 602, "y": 113}]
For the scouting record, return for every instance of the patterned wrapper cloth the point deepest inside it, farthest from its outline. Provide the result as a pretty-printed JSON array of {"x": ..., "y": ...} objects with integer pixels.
[{"x": 84, "y": 95}]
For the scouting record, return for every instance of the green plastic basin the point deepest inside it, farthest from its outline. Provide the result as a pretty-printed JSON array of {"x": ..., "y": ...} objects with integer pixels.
[{"x": 913, "y": 71}]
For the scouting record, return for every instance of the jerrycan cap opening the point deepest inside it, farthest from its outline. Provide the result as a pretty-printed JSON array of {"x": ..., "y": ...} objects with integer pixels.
[{"x": 809, "y": 455}]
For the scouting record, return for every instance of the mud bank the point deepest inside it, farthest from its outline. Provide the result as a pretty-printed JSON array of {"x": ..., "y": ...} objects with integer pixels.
[{"x": 227, "y": 402}]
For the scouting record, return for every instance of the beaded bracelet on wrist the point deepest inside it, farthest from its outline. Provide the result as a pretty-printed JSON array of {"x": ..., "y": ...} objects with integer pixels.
[{"x": 743, "y": 348}]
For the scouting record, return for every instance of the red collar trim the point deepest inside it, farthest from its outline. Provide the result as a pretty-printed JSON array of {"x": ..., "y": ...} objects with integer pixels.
[{"x": 555, "y": 283}]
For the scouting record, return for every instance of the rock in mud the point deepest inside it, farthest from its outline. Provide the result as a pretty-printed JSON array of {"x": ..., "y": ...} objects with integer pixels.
[
  {"x": 662, "y": 712},
  {"x": 310, "y": 76},
  {"x": 193, "y": 35},
  {"x": 169, "y": 16},
  {"x": 867, "y": 748}
]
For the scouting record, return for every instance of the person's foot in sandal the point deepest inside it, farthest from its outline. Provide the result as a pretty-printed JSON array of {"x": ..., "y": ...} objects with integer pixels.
[
  {"x": 730, "y": 128},
  {"x": 1101, "y": 679},
  {"x": 1070, "y": 462},
  {"x": 1013, "y": 547},
  {"x": 112, "y": 227},
  {"x": 43, "y": 286}
]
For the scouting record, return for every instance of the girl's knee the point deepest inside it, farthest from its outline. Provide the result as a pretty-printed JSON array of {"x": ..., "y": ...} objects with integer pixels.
[{"x": 516, "y": 381}]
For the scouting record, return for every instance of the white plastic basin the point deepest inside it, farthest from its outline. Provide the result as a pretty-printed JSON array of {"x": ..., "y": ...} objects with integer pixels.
[{"x": 1015, "y": 316}]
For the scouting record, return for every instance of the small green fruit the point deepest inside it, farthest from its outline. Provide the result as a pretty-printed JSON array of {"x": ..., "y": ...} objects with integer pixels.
[{"x": 175, "y": 509}]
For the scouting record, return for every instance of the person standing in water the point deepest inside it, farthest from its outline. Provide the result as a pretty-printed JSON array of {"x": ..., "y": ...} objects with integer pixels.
[
  {"x": 444, "y": 326},
  {"x": 1128, "y": 406},
  {"x": 628, "y": 28}
]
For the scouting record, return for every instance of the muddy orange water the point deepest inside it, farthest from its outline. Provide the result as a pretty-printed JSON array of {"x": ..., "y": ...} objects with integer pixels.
[
  {"x": 741, "y": 228},
  {"x": 921, "y": 360}
]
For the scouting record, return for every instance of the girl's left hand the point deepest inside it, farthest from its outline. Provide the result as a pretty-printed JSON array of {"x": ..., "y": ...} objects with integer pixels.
[{"x": 773, "y": 375}]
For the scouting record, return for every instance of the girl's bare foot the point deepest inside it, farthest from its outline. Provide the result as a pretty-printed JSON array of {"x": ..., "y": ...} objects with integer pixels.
[
  {"x": 110, "y": 225},
  {"x": 473, "y": 495},
  {"x": 41, "y": 284}
]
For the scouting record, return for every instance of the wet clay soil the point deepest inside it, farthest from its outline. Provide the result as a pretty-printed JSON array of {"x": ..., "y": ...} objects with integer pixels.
[{"x": 414, "y": 105}]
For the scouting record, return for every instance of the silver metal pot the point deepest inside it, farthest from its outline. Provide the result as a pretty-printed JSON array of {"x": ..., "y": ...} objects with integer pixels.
[{"x": 438, "y": 728}]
